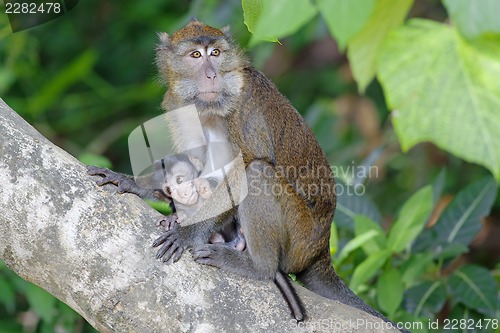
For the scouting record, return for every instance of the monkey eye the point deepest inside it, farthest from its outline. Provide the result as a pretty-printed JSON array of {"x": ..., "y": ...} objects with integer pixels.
[
  {"x": 179, "y": 178},
  {"x": 195, "y": 54},
  {"x": 215, "y": 52}
]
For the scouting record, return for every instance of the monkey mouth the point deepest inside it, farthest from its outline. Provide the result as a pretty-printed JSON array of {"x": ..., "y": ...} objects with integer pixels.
[{"x": 208, "y": 96}]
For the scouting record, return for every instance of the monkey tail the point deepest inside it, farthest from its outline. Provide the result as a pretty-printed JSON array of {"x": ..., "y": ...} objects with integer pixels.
[
  {"x": 322, "y": 279},
  {"x": 290, "y": 295}
]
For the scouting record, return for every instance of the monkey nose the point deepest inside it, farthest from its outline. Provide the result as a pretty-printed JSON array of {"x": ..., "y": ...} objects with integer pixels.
[
  {"x": 168, "y": 191},
  {"x": 210, "y": 73}
]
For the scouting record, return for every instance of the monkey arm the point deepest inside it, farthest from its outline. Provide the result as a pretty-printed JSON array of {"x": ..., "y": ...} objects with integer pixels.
[{"x": 125, "y": 183}]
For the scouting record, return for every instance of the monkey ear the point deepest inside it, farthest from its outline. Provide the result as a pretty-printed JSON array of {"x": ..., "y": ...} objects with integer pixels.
[
  {"x": 157, "y": 165},
  {"x": 164, "y": 40},
  {"x": 225, "y": 30},
  {"x": 196, "y": 162}
]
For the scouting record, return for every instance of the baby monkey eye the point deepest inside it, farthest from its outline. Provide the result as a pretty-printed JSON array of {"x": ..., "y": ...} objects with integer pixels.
[
  {"x": 179, "y": 178},
  {"x": 215, "y": 52},
  {"x": 196, "y": 54}
]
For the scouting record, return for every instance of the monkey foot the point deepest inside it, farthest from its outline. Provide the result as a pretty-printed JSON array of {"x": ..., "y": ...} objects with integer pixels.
[
  {"x": 173, "y": 245},
  {"x": 167, "y": 222},
  {"x": 212, "y": 254}
]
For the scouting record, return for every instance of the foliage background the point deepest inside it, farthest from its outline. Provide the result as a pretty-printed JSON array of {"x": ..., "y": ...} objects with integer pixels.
[{"x": 85, "y": 80}]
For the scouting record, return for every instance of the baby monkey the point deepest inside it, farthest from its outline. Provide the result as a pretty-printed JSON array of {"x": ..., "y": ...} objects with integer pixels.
[{"x": 183, "y": 185}]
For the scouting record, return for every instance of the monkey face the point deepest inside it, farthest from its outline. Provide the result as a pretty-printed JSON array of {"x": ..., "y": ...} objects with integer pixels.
[
  {"x": 199, "y": 64},
  {"x": 179, "y": 182},
  {"x": 184, "y": 193}
]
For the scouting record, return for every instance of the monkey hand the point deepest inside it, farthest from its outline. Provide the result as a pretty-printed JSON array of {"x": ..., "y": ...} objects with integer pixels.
[
  {"x": 173, "y": 244},
  {"x": 167, "y": 222},
  {"x": 125, "y": 183},
  {"x": 203, "y": 187}
]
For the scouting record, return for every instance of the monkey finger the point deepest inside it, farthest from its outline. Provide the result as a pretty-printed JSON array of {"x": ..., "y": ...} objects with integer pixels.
[
  {"x": 95, "y": 171},
  {"x": 208, "y": 261},
  {"x": 102, "y": 182},
  {"x": 160, "y": 240},
  {"x": 170, "y": 252},
  {"x": 164, "y": 248},
  {"x": 201, "y": 251},
  {"x": 177, "y": 254}
]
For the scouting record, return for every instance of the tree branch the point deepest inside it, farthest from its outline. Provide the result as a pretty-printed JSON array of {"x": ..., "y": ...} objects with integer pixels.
[{"x": 90, "y": 247}]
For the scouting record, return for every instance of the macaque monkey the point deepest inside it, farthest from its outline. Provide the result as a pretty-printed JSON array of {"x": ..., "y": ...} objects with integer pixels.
[
  {"x": 182, "y": 184},
  {"x": 286, "y": 216}
]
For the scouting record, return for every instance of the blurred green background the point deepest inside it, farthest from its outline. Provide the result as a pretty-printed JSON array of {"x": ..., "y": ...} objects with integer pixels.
[{"x": 86, "y": 79}]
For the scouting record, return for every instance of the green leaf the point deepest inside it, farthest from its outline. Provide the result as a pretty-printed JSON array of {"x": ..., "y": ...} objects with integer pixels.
[
  {"x": 252, "y": 10},
  {"x": 363, "y": 224},
  {"x": 363, "y": 48},
  {"x": 450, "y": 251},
  {"x": 7, "y": 295},
  {"x": 268, "y": 20},
  {"x": 334, "y": 240},
  {"x": 460, "y": 221},
  {"x": 349, "y": 205},
  {"x": 425, "y": 299},
  {"x": 416, "y": 266},
  {"x": 411, "y": 220},
  {"x": 41, "y": 301},
  {"x": 475, "y": 287},
  {"x": 355, "y": 244},
  {"x": 161, "y": 206},
  {"x": 418, "y": 324},
  {"x": 345, "y": 18},
  {"x": 438, "y": 185},
  {"x": 474, "y": 18},
  {"x": 459, "y": 312},
  {"x": 368, "y": 268},
  {"x": 444, "y": 90},
  {"x": 389, "y": 291}
]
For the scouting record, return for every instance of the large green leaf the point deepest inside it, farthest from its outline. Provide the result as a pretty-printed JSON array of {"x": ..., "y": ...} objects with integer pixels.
[
  {"x": 444, "y": 90},
  {"x": 425, "y": 299},
  {"x": 363, "y": 48},
  {"x": 474, "y": 18},
  {"x": 475, "y": 287},
  {"x": 411, "y": 220},
  {"x": 460, "y": 221},
  {"x": 345, "y": 18},
  {"x": 389, "y": 290},
  {"x": 268, "y": 20}
]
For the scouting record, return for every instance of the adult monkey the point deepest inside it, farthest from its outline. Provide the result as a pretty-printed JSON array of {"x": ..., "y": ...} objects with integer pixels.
[{"x": 286, "y": 230}]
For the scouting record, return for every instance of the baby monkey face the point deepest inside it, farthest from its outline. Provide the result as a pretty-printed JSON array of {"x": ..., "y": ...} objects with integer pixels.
[{"x": 179, "y": 183}]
